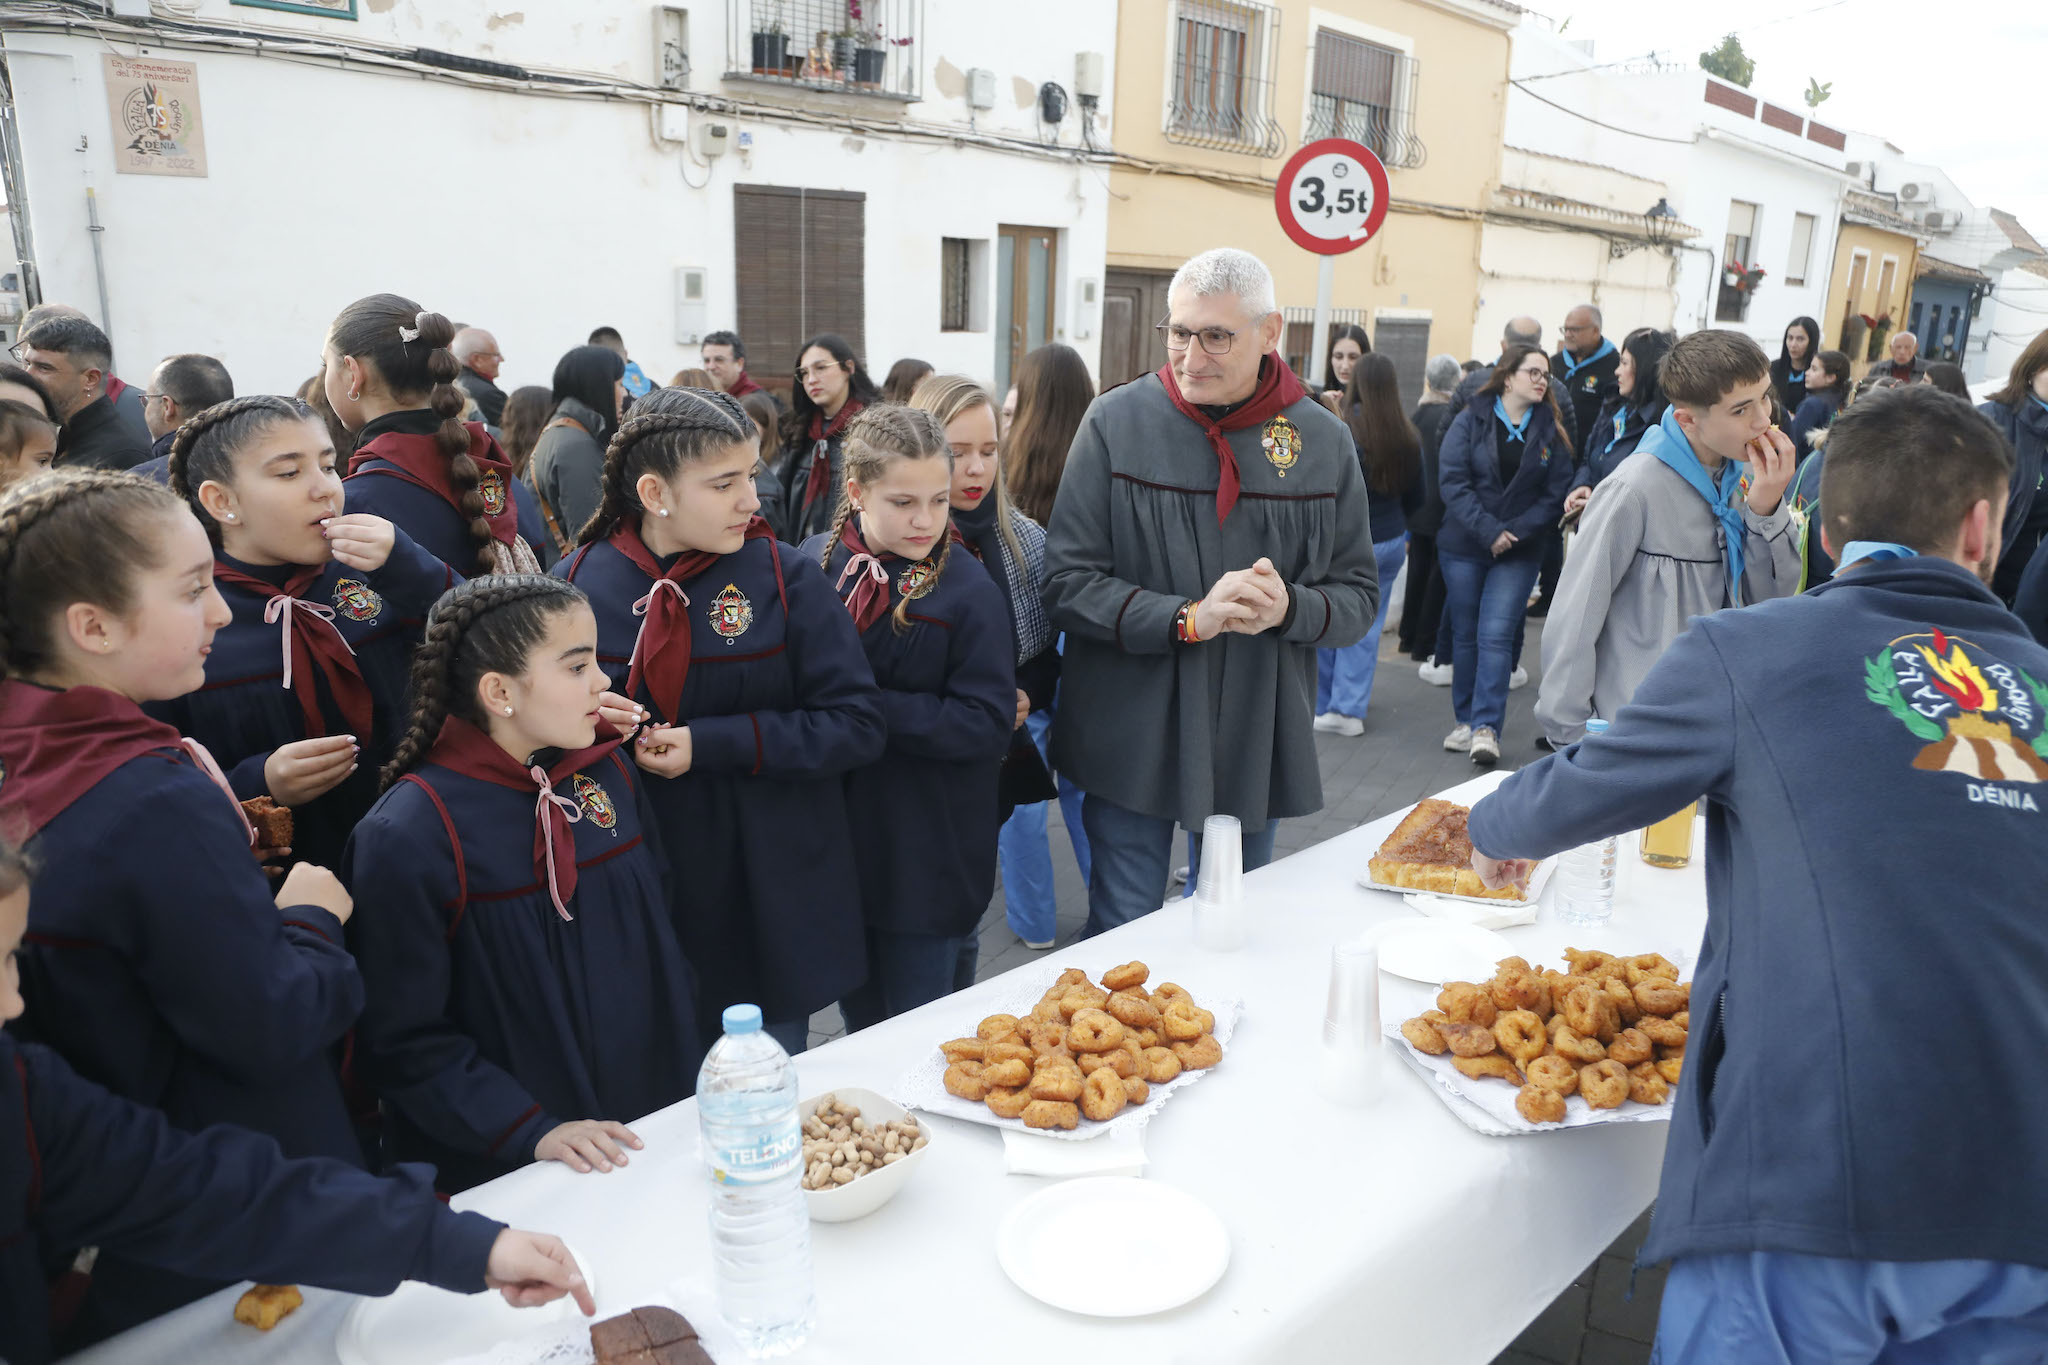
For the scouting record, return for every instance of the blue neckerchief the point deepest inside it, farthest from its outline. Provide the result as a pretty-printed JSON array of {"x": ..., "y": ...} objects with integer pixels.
[
  {"x": 1667, "y": 442},
  {"x": 1515, "y": 433},
  {"x": 2039, "y": 402},
  {"x": 1620, "y": 426},
  {"x": 1572, "y": 367},
  {"x": 1799, "y": 378},
  {"x": 1873, "y": 549}
]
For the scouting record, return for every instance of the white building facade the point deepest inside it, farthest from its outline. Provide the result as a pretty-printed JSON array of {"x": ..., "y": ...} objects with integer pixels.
[
  {"x": 910, "y": 175},
  {"x": 1761, "y": 185}
]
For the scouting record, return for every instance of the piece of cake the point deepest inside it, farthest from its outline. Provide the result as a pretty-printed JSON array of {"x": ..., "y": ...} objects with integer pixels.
[
  {"x": 272, "y": 822},
  {"x": 266, "y": 1305},
  {"x": 1430, "y": 851},
  {"x": 647, "y": 1336}
]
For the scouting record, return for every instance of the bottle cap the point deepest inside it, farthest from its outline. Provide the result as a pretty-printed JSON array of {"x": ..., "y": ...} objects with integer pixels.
[
  {"x": 1596, "y": 726},
  {"x": 742, "y": 1018}
]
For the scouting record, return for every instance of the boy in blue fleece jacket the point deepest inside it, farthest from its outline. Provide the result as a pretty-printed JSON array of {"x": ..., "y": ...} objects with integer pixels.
[{"x": 1852, "y": 1172}]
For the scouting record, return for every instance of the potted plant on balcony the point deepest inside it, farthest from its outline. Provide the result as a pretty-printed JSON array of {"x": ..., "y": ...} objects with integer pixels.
[
  {"x": 1743, "y": 278},
  {"x": 771, "y": 46},
  {"x": 869, "y": 55}
]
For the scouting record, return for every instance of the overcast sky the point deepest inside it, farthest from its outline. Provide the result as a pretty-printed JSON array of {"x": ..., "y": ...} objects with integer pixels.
[{"x": 1952, "y": 82}]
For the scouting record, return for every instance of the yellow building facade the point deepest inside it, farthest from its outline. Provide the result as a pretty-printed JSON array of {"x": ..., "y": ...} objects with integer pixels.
[
  {"x": 1875, "y": 259},
  {"x": 1212, "y": 97}
]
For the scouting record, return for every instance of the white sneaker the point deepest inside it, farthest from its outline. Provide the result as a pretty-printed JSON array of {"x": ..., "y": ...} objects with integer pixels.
[
  {"x": 1435, "y": 674},
  {"x": 1485, "y": 747},
  {"x": 1035, "y": 947},
  {"x": 1518, "y": 679},
  {"x": 1337, "y": 723},
  {"x": 1459, "y": 740}
]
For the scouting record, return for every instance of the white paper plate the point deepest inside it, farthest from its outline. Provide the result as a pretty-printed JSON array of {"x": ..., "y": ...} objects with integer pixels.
[
  {"x": 1187, "y": 1246},
  {"x": 1435, "y": 951},
  {"x": 1537, "y": 881},
  {"x": 421, "y": 1325}
]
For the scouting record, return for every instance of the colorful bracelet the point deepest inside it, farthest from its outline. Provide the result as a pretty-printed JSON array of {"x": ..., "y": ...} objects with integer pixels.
[{"x": 1184, "y": 624}]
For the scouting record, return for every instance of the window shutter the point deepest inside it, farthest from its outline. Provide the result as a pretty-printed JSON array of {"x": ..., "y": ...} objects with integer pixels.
[{"x": 799, "y": 267}]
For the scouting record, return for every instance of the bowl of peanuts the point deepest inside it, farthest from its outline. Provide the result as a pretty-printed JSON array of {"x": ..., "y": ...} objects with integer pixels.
[{"x": 859, "y": 1150}]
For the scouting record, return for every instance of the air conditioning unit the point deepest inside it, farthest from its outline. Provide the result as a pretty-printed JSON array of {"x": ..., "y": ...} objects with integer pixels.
[
  {"x": 1942, "y": 219},
  {"x": 1914, "y": 192},
  {"x": 1859, "y": 170}
]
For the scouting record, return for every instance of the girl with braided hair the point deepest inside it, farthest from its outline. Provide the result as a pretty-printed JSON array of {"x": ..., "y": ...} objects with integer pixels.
[
  {"x": 390, "y": 379},
  {"x": 526, "y": 992},
  {"x": 290, "y": 717},
  {"x": 937, "y": 635},
  {"x": 159, "y": 964},
  {"x": 760, "y": 701}
]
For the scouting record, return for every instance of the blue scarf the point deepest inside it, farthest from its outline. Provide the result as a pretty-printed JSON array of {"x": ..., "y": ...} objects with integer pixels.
[
  {"x": 1572, "y": 367},
  {"x": 1667, "y": 442},
  {"x": 1515, "y": 433},
  {"x": 2039, "y": 403},
  {"x": 1799, "y": 378},
  {"x": 1873, "y": 549},
  {"x": 1620, "y": 427}
]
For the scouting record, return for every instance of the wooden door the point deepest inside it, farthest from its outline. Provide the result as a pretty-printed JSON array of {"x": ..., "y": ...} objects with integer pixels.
[
  {"x": 1134, "y": 301},
  {"x": 1027, "y": 285}
]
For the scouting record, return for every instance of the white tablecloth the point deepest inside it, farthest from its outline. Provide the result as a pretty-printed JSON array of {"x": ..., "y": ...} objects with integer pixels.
[{"x": 1390, "y": 1233}]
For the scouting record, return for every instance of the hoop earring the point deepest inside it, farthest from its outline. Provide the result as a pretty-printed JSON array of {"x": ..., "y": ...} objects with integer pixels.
[{"x": 354, "y": 396}]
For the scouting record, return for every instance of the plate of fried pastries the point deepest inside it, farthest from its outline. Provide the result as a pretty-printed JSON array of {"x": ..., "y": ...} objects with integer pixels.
[
  {"x": 1534, "y": 1049},
  {"x": 1072, "y": 1055},
  {"x": 1430, "y": 852}
]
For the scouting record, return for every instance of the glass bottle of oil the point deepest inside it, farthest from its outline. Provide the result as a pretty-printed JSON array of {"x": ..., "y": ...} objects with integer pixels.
[{"x": 1668, "y": 843}]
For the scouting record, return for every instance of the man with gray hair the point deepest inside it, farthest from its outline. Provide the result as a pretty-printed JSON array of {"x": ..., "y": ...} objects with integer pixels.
[
  {"x": 126, "y": 398},
  {"x": 1207, "y": 539},
  {"x": 1520, "y": 331},
  {"x": 1582, "y": 371},
  {"x": 477, "y": 352}
]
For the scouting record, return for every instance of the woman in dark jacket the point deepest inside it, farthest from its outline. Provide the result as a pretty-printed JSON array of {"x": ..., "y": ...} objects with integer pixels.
[
  {"x": 2020, "y": 410},
  {"x": 1637, "y": 406},
  {"x": 1795, "y": 355},
  {"x": 567, "y": 468},
  {"x": 1505, "y": 468},
  {"x": 1422, "y": 605},
  {"x": 1827, "y": 388},
  {"x": 832, "y": 386},
  {"x": 1390, "y": 453}
]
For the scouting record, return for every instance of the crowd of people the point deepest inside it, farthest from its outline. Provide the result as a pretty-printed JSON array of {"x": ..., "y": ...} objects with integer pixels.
[{"x": 552, "y": 682}]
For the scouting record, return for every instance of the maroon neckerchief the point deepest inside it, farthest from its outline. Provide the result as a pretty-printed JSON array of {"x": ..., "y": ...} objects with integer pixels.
[
  {"x": 1278, "y": 388},
  {"x": 869, "y": 601},
  {"x": 55, "y": 746},
  {"x": 821, "y": 463},
  {"x": 311, "y": 641},
  {"x": 744, "y": 387},
  {"x": 462, "y": 748},
  {"x": 420, "y": 461},
  {"x": 661, "y": 648}
]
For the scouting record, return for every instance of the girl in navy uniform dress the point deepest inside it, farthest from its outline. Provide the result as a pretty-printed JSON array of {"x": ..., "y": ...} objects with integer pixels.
[
  {"x": 157, "y": 961},
  {"x": 81, "y": 1167},
  {"x": 937, "y": 634},
  {"x": 761, "y": 700},
  {"x": 525, "y": 988},
  {"x": 390, "y": 378},
  {"x": 311, "y": 672}
]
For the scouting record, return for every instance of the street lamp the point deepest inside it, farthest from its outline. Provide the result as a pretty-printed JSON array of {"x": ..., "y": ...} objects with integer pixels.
[{"x": 1660, "y": 224}]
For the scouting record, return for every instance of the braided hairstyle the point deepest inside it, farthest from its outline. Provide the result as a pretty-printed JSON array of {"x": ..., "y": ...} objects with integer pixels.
[
  {"x": 420, "y": 371},
  {"x": 668, "y": 429},
  {"x": 205, "y": 447},
  {"x": 880, "y": 435},
  {"x": 484, "y": 625},
  {"x": 84, "y": 535}
]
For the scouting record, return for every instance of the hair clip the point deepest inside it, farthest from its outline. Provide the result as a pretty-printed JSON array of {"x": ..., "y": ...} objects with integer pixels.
[{"x": 406, "y": 333}]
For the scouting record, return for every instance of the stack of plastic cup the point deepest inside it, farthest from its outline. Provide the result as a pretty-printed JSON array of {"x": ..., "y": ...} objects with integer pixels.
[
  {"x": 1351, "y": 1021},
  {"x": 1219, "y": 886}
]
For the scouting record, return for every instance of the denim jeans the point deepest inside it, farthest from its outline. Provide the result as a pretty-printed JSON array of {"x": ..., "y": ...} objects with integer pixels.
[
  {"x": 1486, "y": 600},
  {"x": 904, "y": 971},
  {"x": 1344, "y": 676},
  {"x": 1132, "y": 853},
  {"x": 1816, "y": 1310},
  {"x": 1025, "y": 848}
]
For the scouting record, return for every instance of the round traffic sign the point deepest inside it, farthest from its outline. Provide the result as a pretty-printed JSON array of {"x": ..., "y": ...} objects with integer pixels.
[{"x": 1332, "y": 196}]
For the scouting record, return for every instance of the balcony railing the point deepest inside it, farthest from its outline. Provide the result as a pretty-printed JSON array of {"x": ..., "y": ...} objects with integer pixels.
[{"x": 855, "y": 47}]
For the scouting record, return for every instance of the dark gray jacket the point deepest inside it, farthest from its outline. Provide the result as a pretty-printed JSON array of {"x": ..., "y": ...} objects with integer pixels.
[{"x": 567, "y": 468}]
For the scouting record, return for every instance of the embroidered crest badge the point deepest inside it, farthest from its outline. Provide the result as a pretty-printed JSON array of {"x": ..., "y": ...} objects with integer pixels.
[
  {"x": 731, "y": 613},
  {"x": 492, "y": 490},
  {"x": 595, "y": 800},
  {"x": 1977, "y": 715},
  {"x": 1281, "y": 440},
  {"x": 357, "y": 600},
  {"x": 917, "y": 580}
]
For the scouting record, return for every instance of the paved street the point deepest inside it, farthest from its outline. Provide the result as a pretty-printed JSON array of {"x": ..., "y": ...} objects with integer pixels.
[{"x": 1397, "y": 761}]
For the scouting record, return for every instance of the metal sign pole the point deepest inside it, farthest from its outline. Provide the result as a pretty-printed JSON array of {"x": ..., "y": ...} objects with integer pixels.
[{"x": 1326, "y": 288}]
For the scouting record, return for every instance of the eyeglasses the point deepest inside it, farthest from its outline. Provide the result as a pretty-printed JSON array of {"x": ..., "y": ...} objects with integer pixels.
[
  {"x": 1568, "y": 329},
  {"x": 1215, "y": 340},
  {"x": 151, "y": 397},
  {"x": 1534, "y": 376},
  {"x": 819, "y": 370}
]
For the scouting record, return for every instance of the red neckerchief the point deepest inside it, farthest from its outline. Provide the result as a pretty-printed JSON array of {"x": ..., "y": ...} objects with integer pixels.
[
  {"x": 462, "y": 748},
  {"x": 821, "y": 463},
  {"x": 311, "y": 641},
  {"x": 744, "y": 387},
  {"x": 661, "y": 649},
  {"x": 869, "y": 601},
  {"x": 1278, "y": 388},
  {"x": 419, "y": 460},
  {"x": 55, "y": 746}
]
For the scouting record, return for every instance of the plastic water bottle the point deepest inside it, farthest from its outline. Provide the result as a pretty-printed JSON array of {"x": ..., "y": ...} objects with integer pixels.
[
  {"x": 1585, "y": 877},
  {"x": 753, "y": 1152}
]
